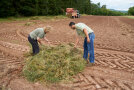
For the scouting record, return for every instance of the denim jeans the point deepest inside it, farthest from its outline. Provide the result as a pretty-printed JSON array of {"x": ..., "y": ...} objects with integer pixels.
[
  {"x": 89, "y": 48},
  {"x": 35, "y": 46}
]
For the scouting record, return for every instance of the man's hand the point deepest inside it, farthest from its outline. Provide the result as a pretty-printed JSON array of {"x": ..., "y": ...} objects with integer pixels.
[
  {"x": 76, "y": 42},
  {"x": 86, "y": 33},
  {"x": 75, "y": 46},
  {"x": 88, "y": 40},
  {"x": 49, "y": 43},
  {"x": 39, "y": 40}
]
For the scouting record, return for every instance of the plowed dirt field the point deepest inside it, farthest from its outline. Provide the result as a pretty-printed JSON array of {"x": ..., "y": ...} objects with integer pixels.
[{"x": 114, "y": 53}]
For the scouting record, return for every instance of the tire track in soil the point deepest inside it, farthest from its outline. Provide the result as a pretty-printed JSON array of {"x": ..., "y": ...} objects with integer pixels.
[
  {"x": 11, "y": 56},
  {"x": 115, "y": 61},
  {"x": 8, "y": 66},
  {"x": 21, "y": 34},
  {"x": 98, "y": 79},
  {"x": 12, "y": 37},
  {"x": 11, "y": 61},
  {"x": 20, "y": 48}
]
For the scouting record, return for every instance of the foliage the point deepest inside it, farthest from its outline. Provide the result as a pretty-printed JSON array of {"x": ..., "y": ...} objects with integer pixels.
[
  {"x": 131, "y": 11},
  {"x": 54, "y": 64},
  {"x": 50, "y": 7},
  {"x": 96, "y": 9},
  {"x": 42, "y": 18},
  {"x": 131, "y": 17}
]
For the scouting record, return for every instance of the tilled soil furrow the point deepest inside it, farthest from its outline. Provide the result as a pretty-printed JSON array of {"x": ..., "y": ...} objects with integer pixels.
[
  {"x": 14, "y": 46},
  {"x": 9, "y": 65},
  {"x": 115, "y": 61},
  {"x": 87, "y": 80}
]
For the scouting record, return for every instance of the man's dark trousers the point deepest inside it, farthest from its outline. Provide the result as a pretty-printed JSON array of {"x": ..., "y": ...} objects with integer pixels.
[{"x": 35, "y": 46}]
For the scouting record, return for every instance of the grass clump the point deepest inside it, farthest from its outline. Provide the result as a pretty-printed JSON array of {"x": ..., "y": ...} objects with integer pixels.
[
  {"x": 10, "y": 19},
  {"x": 54, "y": 64},
  {"x": 131, "y": 17}
]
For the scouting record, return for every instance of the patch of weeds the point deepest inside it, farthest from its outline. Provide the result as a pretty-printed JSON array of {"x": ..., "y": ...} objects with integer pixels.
[
  {"x": 35, "y": 18},
  {"x": 10, "y": 19},
  {"x": 131, "y": 17},
  {"x": 28, "y": 23},
  {"x": 15, "y": 41},
  {"x": 54, "y": 64},
  {"x": 84, "y": 15},
  {"x": 4, "y": 88}
]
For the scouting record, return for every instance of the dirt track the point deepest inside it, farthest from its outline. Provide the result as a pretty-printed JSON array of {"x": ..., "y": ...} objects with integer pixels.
[{"x": 114, "y": 53}]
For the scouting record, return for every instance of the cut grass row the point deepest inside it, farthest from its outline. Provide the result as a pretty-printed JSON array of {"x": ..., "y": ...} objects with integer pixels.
[
  {"x": 131, "y": 17},
  {"x": 10, "y": 19}
]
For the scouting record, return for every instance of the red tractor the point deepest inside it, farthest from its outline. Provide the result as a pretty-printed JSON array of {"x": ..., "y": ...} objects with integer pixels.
[{"x": 72, "y": 13}]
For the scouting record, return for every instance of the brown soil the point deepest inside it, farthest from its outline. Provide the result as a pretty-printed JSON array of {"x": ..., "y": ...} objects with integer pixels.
[{"x": 114, "y": 53}]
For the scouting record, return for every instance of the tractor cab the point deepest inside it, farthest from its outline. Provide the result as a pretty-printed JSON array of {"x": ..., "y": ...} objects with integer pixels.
[{"x": 72, "y": 13}]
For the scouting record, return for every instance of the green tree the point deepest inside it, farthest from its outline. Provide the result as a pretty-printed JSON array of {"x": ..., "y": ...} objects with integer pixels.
[
  {"x": 28, "y": 7},
  {"x": 104, "y": 6},
  {"x": 6, "y": 8},
  {"x": 131, "y": 11},
  {"x": 52, "y": 7}
]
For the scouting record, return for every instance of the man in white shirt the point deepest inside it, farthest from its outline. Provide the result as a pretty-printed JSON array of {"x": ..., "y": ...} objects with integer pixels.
[
  {"x": 36, "y": 36},
  {"x": 88, "y": 34}
]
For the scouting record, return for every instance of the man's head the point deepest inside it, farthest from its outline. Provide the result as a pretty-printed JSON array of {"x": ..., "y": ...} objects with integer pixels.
[
  {"x": 47, "y": 29},
  {"x": 72, "y": 25}
]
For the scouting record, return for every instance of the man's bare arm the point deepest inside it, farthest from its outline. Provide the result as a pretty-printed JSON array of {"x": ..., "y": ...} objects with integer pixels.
[
  {"x": 77, "y": 40},
  {"x": 86, "y": 33},
  {"x": 47, "y": 40},
  {"x": 39, "y": 40}
]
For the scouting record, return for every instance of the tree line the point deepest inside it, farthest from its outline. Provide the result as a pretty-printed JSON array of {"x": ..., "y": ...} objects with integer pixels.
[
  {"x": 131, "y": 11},
  {"x": 51, "y": 7}
]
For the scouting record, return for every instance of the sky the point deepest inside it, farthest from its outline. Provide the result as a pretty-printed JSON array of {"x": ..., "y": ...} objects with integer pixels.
[{"x": 116, "y": 4}]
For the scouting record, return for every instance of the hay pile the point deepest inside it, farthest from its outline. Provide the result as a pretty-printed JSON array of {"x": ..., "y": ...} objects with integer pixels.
[{"x": 54, "y": 64}]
